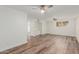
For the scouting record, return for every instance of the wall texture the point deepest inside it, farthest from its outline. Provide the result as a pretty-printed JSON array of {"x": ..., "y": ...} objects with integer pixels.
[
  {"x": 49, "y": 26},
  {"x": 35, "y": 27},
  {"x": 13, "y": 29},
  {"x": 77, "y": 27}
]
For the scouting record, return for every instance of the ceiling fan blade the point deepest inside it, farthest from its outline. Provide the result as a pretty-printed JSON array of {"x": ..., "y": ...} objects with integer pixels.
[
  {"x": 41, "y": 6},
  {"x": 50, "y": 6}
]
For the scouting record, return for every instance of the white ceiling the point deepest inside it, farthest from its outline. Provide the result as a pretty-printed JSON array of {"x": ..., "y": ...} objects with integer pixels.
[{"x": 59, "y": 10}]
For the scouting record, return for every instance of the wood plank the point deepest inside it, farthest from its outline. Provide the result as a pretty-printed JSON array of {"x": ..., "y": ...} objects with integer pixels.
[{"x": 47, "y": 44}]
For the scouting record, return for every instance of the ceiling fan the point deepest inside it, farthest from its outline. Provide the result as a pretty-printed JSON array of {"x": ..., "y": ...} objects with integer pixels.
[{"x": 43, "y": 8}]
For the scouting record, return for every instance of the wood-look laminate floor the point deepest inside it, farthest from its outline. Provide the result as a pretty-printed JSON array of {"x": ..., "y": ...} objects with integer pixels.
[{"x": 47, "y": 44}]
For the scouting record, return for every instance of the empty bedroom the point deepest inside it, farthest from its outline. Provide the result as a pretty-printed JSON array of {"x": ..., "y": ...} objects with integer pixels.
[{"x": 39, "y": 29}]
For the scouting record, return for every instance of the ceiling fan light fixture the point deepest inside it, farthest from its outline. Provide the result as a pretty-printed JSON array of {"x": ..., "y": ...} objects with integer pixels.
[
  {"x": 42, "y": 11},
  {"x": 44, "y": 8}
]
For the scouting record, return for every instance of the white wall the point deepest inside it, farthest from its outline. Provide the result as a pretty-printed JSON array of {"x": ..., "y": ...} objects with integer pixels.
[
  {"x": 49, "y": 26},
  {"x": 77, "y": 27},
  {"x": 13, "y": 29},
  {"x": 44, "y": 26},
  {"x": 35, "y": 27}
]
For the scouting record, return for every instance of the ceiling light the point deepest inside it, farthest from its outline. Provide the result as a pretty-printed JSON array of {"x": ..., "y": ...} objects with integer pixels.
[
  {"x": 44, "y": 8},
  {"x": 42, "y": 11}
]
